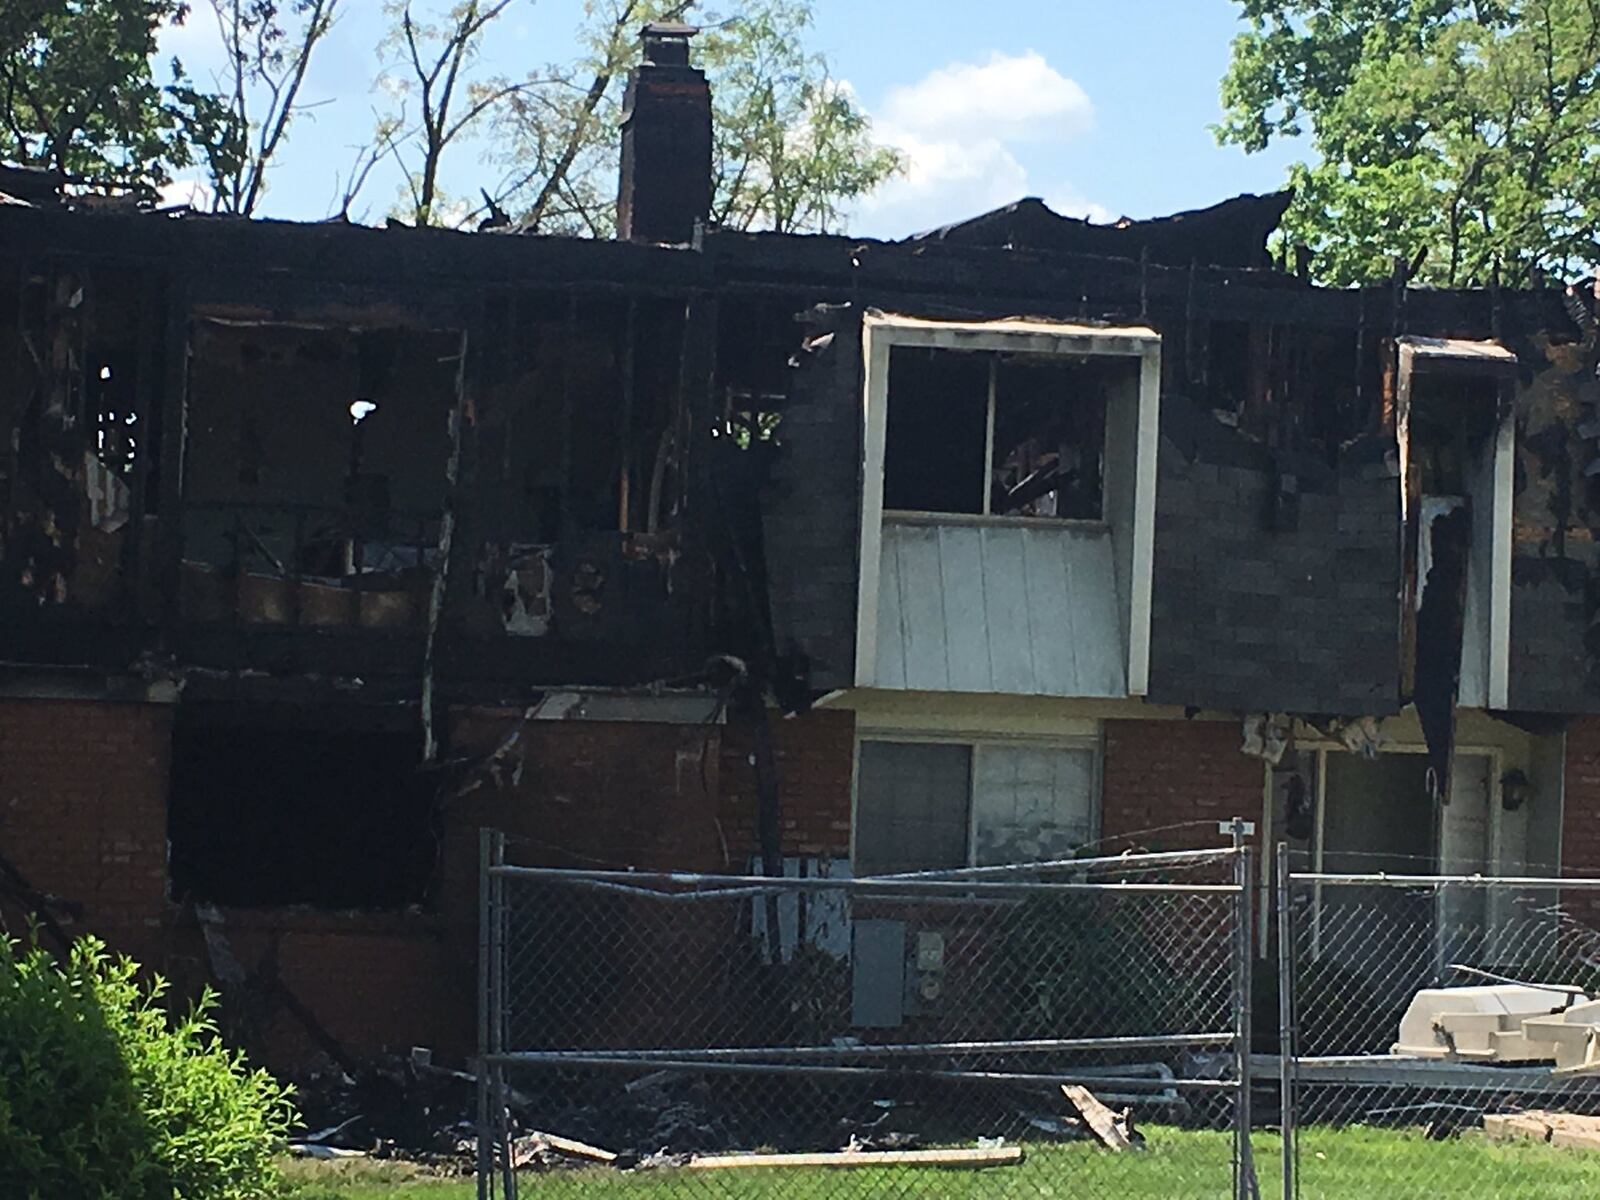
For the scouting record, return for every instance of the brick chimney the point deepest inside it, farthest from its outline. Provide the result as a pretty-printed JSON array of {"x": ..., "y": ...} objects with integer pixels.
[{"x": 665, "y": 184}]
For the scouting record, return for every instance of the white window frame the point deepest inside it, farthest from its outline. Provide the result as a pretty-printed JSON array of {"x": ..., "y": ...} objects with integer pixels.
[
  {"x": 976, "y": 741},
  {"x": 1422, "y": 356},
  {"x": 881, "y": 333}
]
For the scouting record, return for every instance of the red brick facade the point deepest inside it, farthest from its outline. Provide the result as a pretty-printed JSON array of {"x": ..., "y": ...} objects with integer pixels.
[
  {"x": 83, "y": 789},
  {"x": 815, "y": 759},
  {"x": 83, "y": 810},
  {"x": 1166, "y": 784}
]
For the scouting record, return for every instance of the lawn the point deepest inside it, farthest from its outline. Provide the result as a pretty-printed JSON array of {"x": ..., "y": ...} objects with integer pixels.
[{"x": 1358, "y": 1164}]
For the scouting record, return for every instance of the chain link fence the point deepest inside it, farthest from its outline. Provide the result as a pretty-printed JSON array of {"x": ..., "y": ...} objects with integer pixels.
[
  {"x": 1071, "y": 1029},
  {"x": 1407, "y": 1058}
]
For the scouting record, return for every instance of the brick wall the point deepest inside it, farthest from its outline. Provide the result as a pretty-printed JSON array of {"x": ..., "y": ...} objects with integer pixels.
[
  {"x": 596, "y": 793},
  {"x": 1163, "y": 773},
  {"x": 83, "y": 810},
  {"x": 815, "y": 756},
  {"x": 83, "y": 813},
  {"x": 83, "y": 795}
]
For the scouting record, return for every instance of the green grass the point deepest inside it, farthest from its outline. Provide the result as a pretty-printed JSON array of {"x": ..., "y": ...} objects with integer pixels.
[{"x": 1349, "y": 1164}]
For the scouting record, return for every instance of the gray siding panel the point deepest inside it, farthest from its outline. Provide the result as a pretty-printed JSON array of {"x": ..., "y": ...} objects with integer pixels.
[
  {"x": 1252, "y": 618},
  {"x": 811, "y": 512}
]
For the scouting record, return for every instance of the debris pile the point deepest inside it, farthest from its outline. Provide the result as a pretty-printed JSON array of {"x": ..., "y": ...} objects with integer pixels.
[{"x": 408, "y": 1108}]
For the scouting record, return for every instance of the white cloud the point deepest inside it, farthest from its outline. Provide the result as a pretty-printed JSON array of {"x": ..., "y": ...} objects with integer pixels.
[
  {"x": 1010, "y": 97},
  {"x": 192, "y": 192},
  {"x": 959, "y": 128}
]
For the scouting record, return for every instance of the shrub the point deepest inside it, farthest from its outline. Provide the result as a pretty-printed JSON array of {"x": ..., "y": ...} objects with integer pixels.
[{"x": 104, "y": 1095}]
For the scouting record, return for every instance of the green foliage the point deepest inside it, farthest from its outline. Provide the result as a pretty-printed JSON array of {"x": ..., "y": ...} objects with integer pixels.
[
  {"x": 792, "y": 147},
  {"x": 78, "y": 94},
  {"x": 429, "y": 65},
  {"x": 1463, "y": 129},
  {"x": 103, "y": 1095},
  {"x": 1075, "y": 966}
]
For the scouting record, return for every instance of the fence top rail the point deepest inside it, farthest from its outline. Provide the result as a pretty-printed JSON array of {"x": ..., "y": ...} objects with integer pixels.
[
  {"x": 870, "y": 886},
  {"x": 869, "y": 1050},
  {"x": 1385, "y": 879},
  {"x": 1126, "y": 862}
]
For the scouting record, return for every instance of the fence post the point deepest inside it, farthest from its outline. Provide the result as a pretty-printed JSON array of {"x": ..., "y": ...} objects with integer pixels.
[
  {"x": 1245, "y": 1176},
  {"x": 500, "y": 990},
  {"x": 1286, "y": 1038},
  {"x": 485, "y": 1132}
]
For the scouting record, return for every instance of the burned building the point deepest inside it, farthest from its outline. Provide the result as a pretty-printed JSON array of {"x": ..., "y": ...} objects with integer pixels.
[{"x": 324, "y": 546}]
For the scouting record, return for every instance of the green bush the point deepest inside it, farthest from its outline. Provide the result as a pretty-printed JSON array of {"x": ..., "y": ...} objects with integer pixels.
[{"x": 105, "y": 1096}]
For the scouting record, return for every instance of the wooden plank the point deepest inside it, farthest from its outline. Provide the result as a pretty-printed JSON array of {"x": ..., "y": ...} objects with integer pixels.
[
  {"x": 1571, "y": 1131},
  {"x": 1575, "y": 1139},
  {"x": 1502, "y": 1127},
  {"x": 1100, "y": 1118},
  {"x": 1001, "y": 1156},
  {"x": 574, "y": 1148}
]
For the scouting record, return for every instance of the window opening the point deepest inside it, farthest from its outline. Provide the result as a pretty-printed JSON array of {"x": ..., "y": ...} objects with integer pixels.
[
  {"x": 988, "y": 434},
  {"x": 263, "y": 816}
]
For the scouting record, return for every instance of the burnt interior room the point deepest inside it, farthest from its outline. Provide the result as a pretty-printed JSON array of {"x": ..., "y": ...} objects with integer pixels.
[
  {"x": 79, "y": 350},
  {"x": 1302, "y": 392},
  {"x": 1452, "y": 425},
  {"x": 275, "y": 810},
  {"x": 316, "y": 455},
  {"x": 580, "y": 429},
  {"x": 980, "y": 433}
]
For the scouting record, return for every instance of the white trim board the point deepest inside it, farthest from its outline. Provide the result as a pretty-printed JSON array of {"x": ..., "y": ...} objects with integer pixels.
[{"x": 881, "y": 332}]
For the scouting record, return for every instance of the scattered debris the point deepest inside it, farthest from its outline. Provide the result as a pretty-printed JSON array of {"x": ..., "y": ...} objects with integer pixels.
[
  {"x": 1060, "y": 1126},
  {"x": 1001, "y": 1156},
  {"x": 1115, "y": 1130},
  {"x": 1566, "y": 1130},
  {"x": 572, "y": 1147},
  {"x": 316, "y": 1150}
]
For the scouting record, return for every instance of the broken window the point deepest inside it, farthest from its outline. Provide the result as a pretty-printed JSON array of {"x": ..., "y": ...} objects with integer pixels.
[
  {"x": 932, "y": 805},
  {"x": 263, "y": 815},
  {"x": 1049, "y": 439},
  {"x": 990, "y": 434}
]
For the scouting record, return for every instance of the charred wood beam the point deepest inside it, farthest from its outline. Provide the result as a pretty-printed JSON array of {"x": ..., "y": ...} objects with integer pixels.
[
  {"x": 630, "y": 332},
  {"x": 174, "y": 438},
  {"x": 441, "y": 571},
  {"x": 568, "y": 351},
  {"x": 1439, "y": 627}
]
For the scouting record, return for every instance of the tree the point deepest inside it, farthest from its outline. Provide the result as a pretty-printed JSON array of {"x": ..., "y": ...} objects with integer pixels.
[
  {"x": 268, "y": 44},
  {"x": 430, "y": 63},
  {"x": 77, "y": 92},
  {"x": 1462, "y": 132},
  {"x": 791, "y": 146}
]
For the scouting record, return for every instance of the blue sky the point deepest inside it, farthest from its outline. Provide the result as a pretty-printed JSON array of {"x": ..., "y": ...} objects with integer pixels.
[{"x": 1102, "y": 109}]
